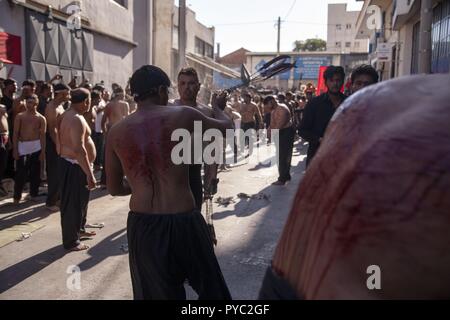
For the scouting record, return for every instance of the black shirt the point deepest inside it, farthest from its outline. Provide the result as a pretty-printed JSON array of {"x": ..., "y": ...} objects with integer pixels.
[
  {"x": 316, "y": 116},
  {"x": 7, "y": 102}
]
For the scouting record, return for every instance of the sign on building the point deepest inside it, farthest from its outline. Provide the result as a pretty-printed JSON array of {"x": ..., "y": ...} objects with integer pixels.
[
  {"x": 308, "y": 67},
  {"x": 384, "y": 52}
]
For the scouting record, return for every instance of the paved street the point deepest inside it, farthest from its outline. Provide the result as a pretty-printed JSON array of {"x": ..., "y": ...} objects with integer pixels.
[{"x": 247, "y": 231}]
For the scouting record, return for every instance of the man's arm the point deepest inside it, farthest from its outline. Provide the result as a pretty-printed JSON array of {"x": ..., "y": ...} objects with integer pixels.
[
  {"x": 77, "y": 134},
  {"x": 116, "y": 184},
  {"x": 50, "y": 114},
  {"x": 105, "y": 118},
  {"x": 307, "y": 124},
  {"x": 43, "y": 129},
  {"x": 258, "y": 115}
]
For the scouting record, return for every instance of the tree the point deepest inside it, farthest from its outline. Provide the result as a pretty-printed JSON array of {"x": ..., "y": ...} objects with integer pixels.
[{"x": 310, "y": 45}]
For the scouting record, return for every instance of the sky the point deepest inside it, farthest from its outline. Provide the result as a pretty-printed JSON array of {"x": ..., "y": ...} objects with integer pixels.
[{"x": 252, "y": 23}]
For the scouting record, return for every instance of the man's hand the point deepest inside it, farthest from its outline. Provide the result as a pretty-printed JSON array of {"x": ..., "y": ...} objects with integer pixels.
[
  {"x": 91, "y": 182},
  {"x": 42, "y": 156}
]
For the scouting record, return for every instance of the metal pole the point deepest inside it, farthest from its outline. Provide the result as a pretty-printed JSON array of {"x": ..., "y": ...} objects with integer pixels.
[
  {"x": 182, "y": 34},
  {"x": 426, "y": 19},
  {"x": 279, "y": 33}
]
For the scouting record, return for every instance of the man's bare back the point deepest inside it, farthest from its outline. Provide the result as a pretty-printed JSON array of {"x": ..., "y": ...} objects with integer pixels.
[
  {"x": 69, "y": 149},
  {"x": 115, "y": 111},
  {"x": 53, "y": 112}
]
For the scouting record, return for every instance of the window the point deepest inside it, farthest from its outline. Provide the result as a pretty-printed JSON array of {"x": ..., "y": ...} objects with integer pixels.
[
  {"x": 338, "y": 27},
  {"x": 440, "y": 49},
  {"x": 348, "y": 26},
  {"x": 338, "y": 44},
  {"x": 122, "y": 3},
  {"x": 415, "y": 49},
  {"x": 348, "y": 44},
  {"x": 204, "y": 49}
]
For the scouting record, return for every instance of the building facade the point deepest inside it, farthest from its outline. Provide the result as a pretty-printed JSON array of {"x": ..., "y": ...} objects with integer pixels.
[
  {"x": 341, "y": 30},
  {"x": 399, "y": 30}
]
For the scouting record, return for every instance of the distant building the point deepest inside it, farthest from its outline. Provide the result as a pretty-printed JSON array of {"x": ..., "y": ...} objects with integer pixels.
[
  {"x": 341, "y": 30},
  {"x": 235, "y": 59}
]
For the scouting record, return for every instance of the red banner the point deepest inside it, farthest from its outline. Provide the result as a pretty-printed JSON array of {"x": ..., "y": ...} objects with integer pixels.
[{"x": 10, "y": 48}]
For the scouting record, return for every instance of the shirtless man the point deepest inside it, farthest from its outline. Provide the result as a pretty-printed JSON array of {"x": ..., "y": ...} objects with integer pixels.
[
  {"x": 188, "y": 88},
  {"x": 91, "y": 115},
  {"x": 115, "y": 111},
  {"x": 53, "y": 113},
  {"x": 75, "y": 170},
  {"x": 250, "y": 115},
  {"x": 4, "y": 143},
  {"x": 29, "y": 148},
  {"x": 281, "y": 120},
  {"x": 19, "y": 104},
  {"x": 168, "y": 238}
]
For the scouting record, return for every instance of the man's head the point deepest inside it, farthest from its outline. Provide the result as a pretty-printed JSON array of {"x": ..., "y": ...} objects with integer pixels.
[
  {"x": 47, "y": 91},
  {"x": 28, "y": 88},
  {"x": 87, "y": 86},
  {"x": 62, "y": 92},
  {"x": 334, "y": 79},
  {"x": 281, "y": 98},
  {"x": 150, "y": 83},
  {"x": 99, "y": 88},
  {"x": 188, "y": 84},
  {"x": 81, "y": 100},
  {"x": 106, "y": 95},
  {"x": 270, "y": 102},
  {"x": 114, "y": 86},
  {"x": 119, "y": 93},
  {"x": 9, "y": 86},
  {"x": 31, "y": 102},
  {"x": 289, "y": 96},
  {"x": 362, "y": 77},
  {"x": 95, "y": 98},
  {"x": 247, "y": 97}
]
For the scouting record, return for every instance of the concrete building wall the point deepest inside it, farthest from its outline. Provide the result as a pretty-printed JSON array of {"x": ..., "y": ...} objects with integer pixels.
[
  {"x": 162, "y": 40},
  {"x": 12, "y": 20},
  {"x": 342, "y": 29}
]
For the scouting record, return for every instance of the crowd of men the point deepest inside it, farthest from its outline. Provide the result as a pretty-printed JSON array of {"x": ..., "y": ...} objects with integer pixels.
[{"x": 73, "y": 131}]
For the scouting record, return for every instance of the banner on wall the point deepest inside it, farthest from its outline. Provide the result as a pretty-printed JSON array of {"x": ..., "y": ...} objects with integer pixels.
[{"x": 308, "y": 67}]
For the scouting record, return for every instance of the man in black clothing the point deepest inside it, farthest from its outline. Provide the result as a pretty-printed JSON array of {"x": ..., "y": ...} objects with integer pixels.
[
  {"x": 8, "y": 90},
  {"x": 319, "y": 111}
]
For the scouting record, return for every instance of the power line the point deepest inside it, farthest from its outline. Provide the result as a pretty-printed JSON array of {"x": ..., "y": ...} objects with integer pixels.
[{"x": 290, "y": 10}]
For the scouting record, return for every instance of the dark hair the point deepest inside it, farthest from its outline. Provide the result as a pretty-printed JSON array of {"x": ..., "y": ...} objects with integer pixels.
[
  {"x": 268, "y": 99},
  {"x": 281, "y": 96},
  {"x": 118, "y": 90},
  {"x": 99, "y": 87},
  {"x": 9, "y": 82},
  {"x": 45, "y": 86},
  {"x": 60, "y": 87},
  {"x": 331, "y": 71},
  {"x": 95, "y": 94},
  {"x": 29, "y": 82},
  {"x": 367, "y": 70},
  {"x": 79, "y": 95},
  {"x": 189, "y": 71},
  {"x": 146, "y": 81}
]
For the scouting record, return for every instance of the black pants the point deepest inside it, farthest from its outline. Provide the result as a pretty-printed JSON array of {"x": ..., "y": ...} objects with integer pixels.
[
  {"x": 312, "y": 150},
  {"x": 276, "y": 288},
  {"x": 51, "y": 157},
  {"x": 267, "y": 118},
  {"x": 74, "y": 202},
  {"x": 196, "y": 184},
  {"x": 99, "y": 143},
  {"x": 3, "y": 161},
  {"x": 28, "y": 168},
  {"x": 285, "y": 153},
  {"x": 245, "y": 126},
  {"x": 167, "y": 249}
]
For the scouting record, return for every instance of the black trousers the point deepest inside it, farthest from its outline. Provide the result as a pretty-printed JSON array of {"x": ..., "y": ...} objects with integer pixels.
[
  {"x": 267, "y": 118},
  {"x": 3, "y": 161},
  {"x": 52, "y": 161},
  {"x": 286, "y": 142},
  {"x": 245, "y": 126},
  {"x": 167, "y": 249},
  {"x": 99, "y": 142},
  {"x": 275, "y": 287},
  {"x": 74, "y": 202},
  {"x": 28, "y": 168},
  {"x": 312, "y": 150},
  {"x": 196, "y": 184}
]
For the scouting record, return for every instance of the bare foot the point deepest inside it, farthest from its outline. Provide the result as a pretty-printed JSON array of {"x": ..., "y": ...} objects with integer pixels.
[{"x": 79, "y": 247}]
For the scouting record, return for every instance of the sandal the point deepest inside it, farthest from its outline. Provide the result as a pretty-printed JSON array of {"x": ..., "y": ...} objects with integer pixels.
[{"x": 79, "y": 247}]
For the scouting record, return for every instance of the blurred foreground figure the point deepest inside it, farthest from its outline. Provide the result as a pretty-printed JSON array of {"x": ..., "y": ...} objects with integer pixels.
[{"x": 377, "y": 194}]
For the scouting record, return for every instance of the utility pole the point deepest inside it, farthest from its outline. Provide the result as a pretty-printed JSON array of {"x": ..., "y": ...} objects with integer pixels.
[
  {"x": 279, "y": 33},
  {"x": 426, "y": 18},
  {"x": 182, "y": 34}
]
